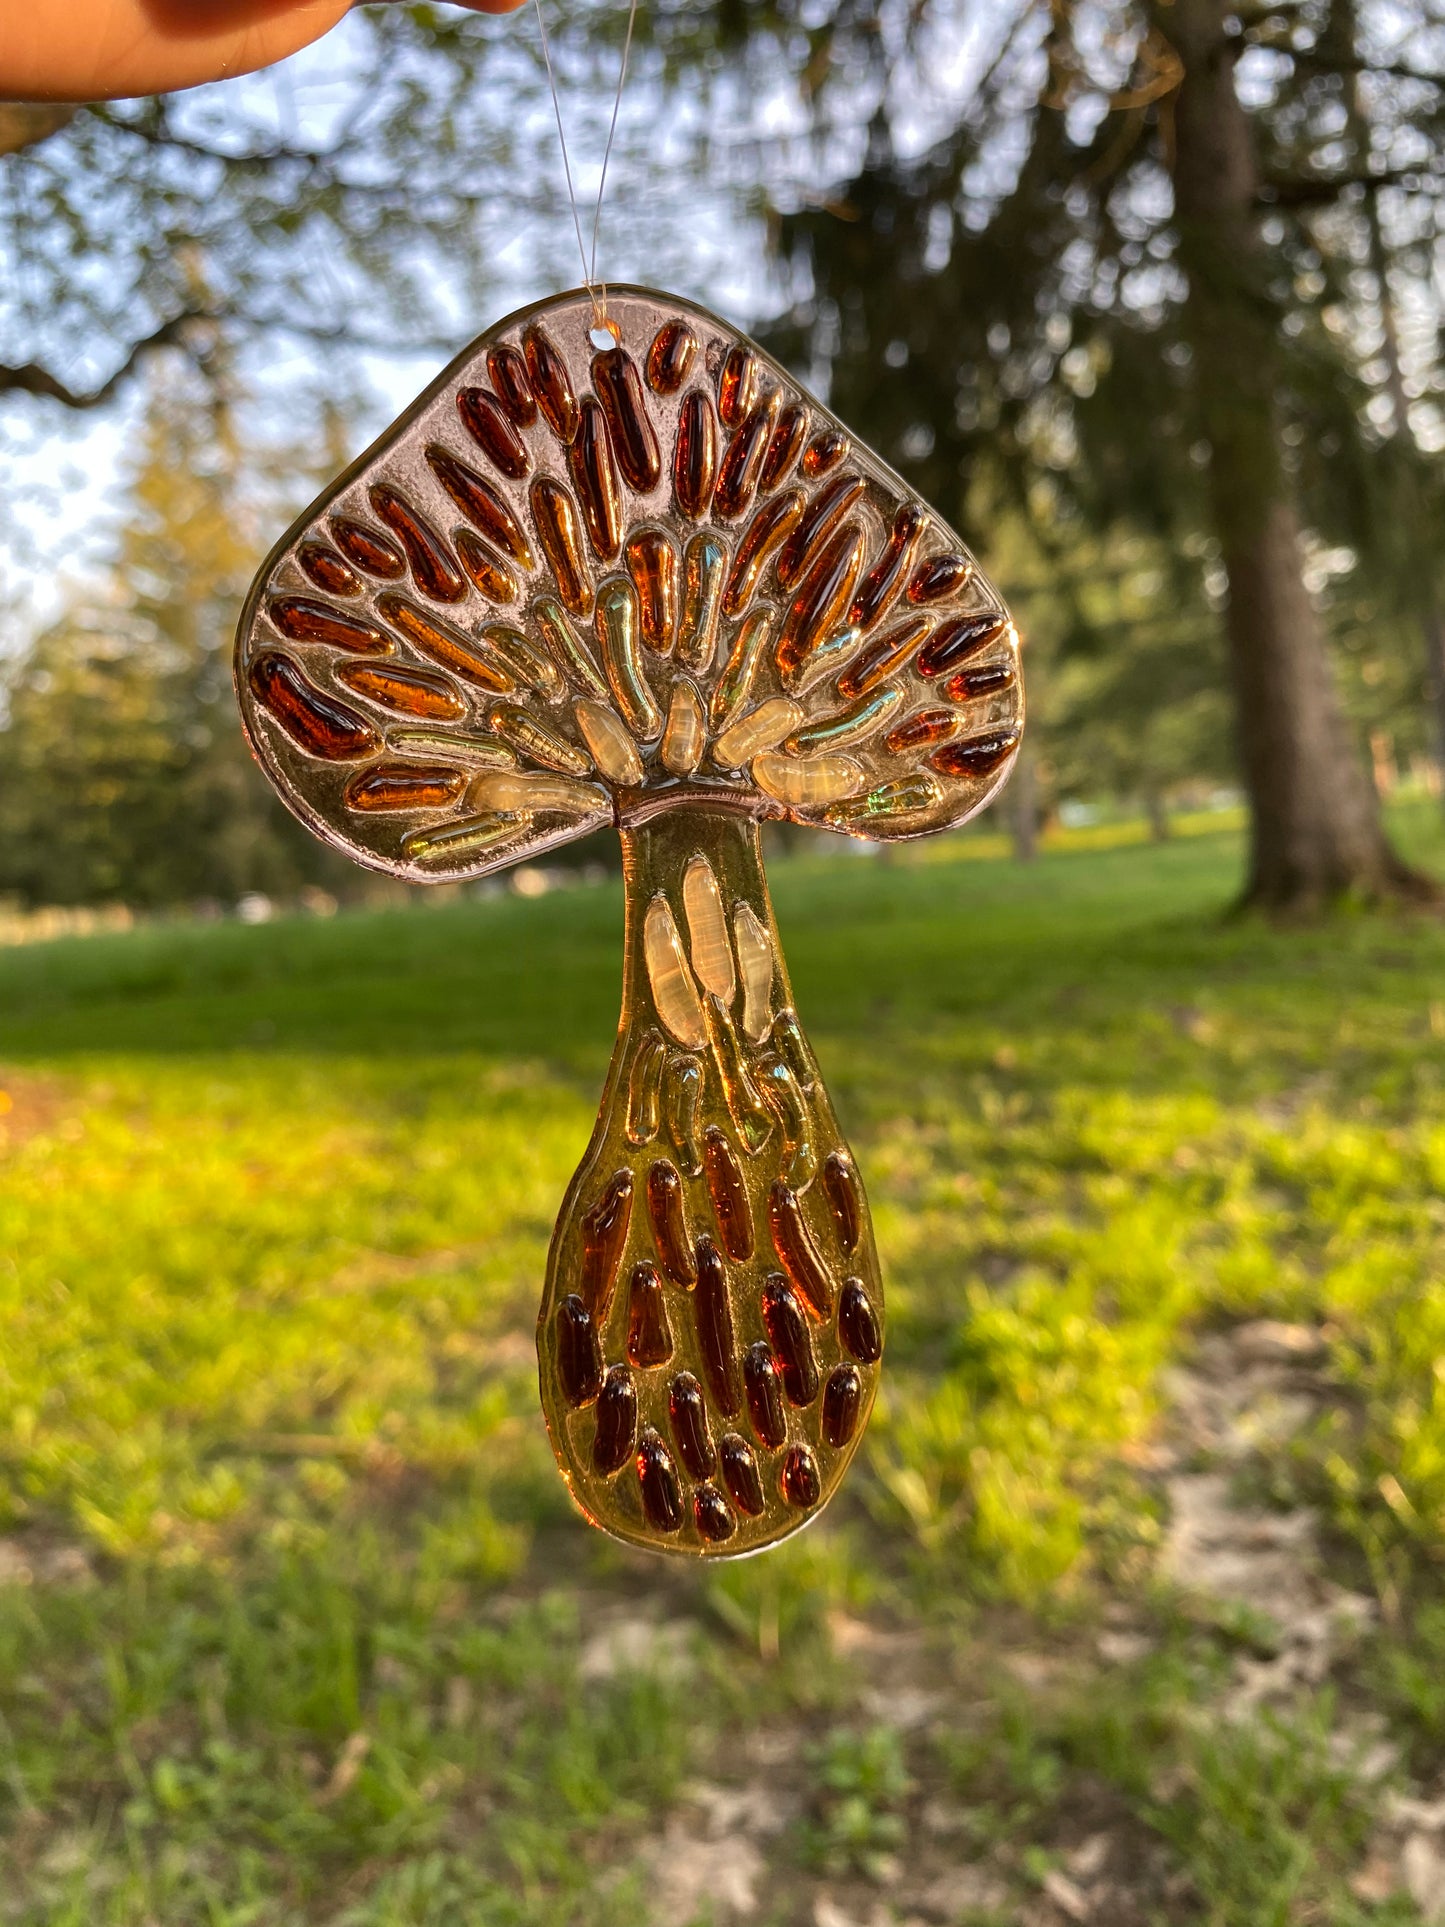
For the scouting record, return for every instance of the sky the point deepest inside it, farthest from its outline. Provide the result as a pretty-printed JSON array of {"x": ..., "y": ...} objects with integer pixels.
[{"x": 660, "y": 225}]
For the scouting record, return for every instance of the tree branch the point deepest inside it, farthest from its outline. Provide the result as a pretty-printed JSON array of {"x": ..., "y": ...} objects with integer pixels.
[
  {"x": 1300, "y": 191},
  {"x": 1329, "y": 63},
  {"x": 30, "y": 378}
]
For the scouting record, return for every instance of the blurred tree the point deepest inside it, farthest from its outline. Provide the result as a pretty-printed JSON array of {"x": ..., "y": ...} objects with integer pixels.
[
  {"x": 1130, "y": 701},
  {"x": 122, "y": 772},
  {"x": 361, "y": 198},
  {"x": 1133, "y": 260},
  {"x": 1125, "y": 266}
]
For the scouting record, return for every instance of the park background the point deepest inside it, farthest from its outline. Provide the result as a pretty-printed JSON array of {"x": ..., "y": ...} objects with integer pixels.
[{"x": 1131, "y": 1610}]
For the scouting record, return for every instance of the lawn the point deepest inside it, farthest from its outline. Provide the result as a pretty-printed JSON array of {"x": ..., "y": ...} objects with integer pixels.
[{"x": 297, "y": 1624}]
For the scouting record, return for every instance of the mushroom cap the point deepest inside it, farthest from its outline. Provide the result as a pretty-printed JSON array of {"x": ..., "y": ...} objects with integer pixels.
[{"x": 583, "y": 580}]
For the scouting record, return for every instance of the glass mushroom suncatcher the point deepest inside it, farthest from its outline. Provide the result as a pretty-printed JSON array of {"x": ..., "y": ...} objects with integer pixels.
[{"x": 632, "y": 576}]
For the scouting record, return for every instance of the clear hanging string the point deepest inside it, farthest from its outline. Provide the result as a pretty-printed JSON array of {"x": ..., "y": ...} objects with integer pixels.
[{"x": 597, "y": 290}]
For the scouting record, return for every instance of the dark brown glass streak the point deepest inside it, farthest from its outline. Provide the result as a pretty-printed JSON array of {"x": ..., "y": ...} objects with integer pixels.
[
  {"x": 688, "y": 1411},
  {"x": 313, "y": 720},
  {"x": 800, "y": 1482},
  {"x": 825, "y": 512},
  {"x": 729, "y": 1195},
  {"x": 619, "y": 388},
  {"x": 649, "y": 1333},
  {"x": 712, "y": 1515},
  {"x": 327, "y": 570},
  {"x": 306, "y": 621},
  {"x": 960, "y": 639},
  {"x": 773, "y": 523},
  {"x": 877, "y": 660},
  {"x": 594, "y": 476},
  {"x": 579, "y": 1357},
  {"x": 509, "y": 378},
  {"x": 671, "y": 356},
  {"x": 825, "y": 451},
  {"x": 481, "y": 504},
  {"x": 783, "y": 446},
  {"x": 740, "y": 1471},
  {"x": 976, "y": 755},
  {"x": 883, "y": 582},
  {"x": 737, "y": 478},
  {"x": 797, "y": 1252},
  {"x": 987, "y": 679},
  {"x": 669, "y": 1227},
  {"x": 657, "y": 1475},
  {"x": 821, "y": 598},
  {"x": 405, "y": 786},
  {"x": 787, "y": 1330},
  {"x": 616, "y": 1432},
  {"x": 486, "y": 422},
  {"x": 858, "y": 1323},
  {"x": 551, "y": 383},
  {"x": 604, "y": 1236},
  {"x": 715, "y": 1326},
  {"x": 368, "y": 548},
  {"x": 842, "y": 1402},
  {"x": 489, "y": 573},
  {"x": 840, "y": 1183},
  {"x": 694, "y": 463},
  {"x": 433, "y": 568},
  {"x": 765, "y": 1395},
  {"x": 737, "y": 387},
  {"x": 939, "y": 577}
]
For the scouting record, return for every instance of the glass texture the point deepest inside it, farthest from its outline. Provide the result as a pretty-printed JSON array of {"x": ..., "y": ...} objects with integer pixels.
[{"x": 696, "y": 566}]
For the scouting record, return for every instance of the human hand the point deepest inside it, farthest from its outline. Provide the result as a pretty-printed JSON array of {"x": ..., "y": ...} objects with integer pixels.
[{"x": 113, "y": 49}]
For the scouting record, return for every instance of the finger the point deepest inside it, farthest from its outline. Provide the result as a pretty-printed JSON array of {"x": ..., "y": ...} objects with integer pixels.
[{"x": 114, "y": 49}]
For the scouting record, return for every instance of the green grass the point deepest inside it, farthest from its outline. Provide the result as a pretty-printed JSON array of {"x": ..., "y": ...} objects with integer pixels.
[{"x": 300, "y": 1625}]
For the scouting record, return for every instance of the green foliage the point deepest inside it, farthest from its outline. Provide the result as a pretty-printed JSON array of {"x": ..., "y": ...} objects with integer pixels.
[
  {"x": 1001, "y": 308},
  {"x": 274, "y": 1208},
  {"x": 862, "y": 1779},
  {"x": 123, "y": 775}
]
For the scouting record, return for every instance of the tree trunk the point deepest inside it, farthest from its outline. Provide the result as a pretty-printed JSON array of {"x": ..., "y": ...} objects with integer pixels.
[
  {"x": 1157, "y": 811},
  {"x": 1341, "y": 40},
  {"x": 1023, "y": 808},
  {"x": 1315, "y": 829}
]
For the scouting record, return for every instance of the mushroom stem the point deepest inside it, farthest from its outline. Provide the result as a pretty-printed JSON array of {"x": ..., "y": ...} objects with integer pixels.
[{"x": 716, "y": 1230}]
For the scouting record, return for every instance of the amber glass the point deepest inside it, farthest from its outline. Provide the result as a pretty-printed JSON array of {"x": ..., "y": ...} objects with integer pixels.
[
  {"x": 481, "y": 504},
  {"x": 825, "y": 512},
  {"x": 738, "y": 477},
  {"x": 327, "y": 570},
  {"x": 313, "y": 720},
  {"x": 942, "y": 576},
  {"x": 508, "y": 371},
  {"x": 694, "y": 462},
  {"x": 959, "y": 642},
  {"x": 306, "y": 621},
  {"x": 440, "y": 643},
  {"x": 619, "y": 389},
  {"x": 551, "y": 382},
  {"x": 784, "y": 446},
  {"x": 491, "y": 428},
  {"x": 719, "y": 1327},
  {"x": 645, "y": 582},
  {"x": 433, "y": 568},
  {"x": 368, "y": 548},
  {"x": 594, "y": 476},
  {"x": 671, "y": 356}
]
